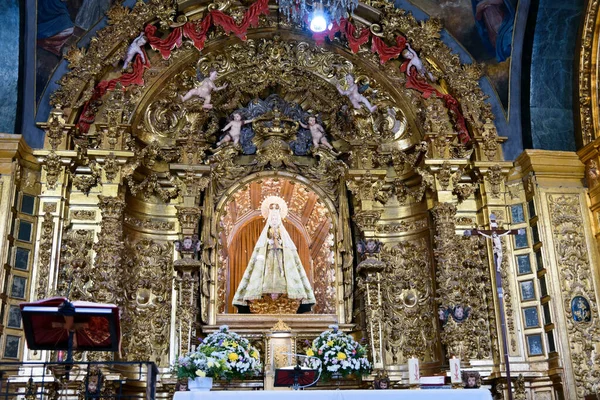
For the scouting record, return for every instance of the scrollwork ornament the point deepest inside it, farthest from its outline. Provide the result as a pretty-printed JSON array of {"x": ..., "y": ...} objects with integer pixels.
[
  {"x": 408, "y": 308},
  {"x": 495, "y": 179},
  {"x": 462, "y": 280},
  {"x": 45, "y": 257},
  {"x": 111, "y": 167},
  {"x": 576, "y": 278},
  {"x": 53, "y": 167}
]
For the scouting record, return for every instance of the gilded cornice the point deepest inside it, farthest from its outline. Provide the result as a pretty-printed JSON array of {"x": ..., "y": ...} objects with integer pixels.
[{"x": 557, "y": 166}]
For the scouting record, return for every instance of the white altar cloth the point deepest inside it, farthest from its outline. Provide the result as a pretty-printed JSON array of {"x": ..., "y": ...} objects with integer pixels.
[{"x": 423, "y": 394}]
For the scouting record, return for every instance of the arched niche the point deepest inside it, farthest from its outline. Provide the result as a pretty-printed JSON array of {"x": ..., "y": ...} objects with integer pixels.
[{"x": 309, "y": 223}]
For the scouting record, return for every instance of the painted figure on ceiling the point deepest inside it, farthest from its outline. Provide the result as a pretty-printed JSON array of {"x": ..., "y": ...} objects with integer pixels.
[
  {"x": 54, "y": 25},
  {"x": 494, "y": 20}
]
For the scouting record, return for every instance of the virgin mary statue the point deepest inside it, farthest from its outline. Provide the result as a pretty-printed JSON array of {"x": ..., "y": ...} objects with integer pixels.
[{"x": 274, "y": 269}]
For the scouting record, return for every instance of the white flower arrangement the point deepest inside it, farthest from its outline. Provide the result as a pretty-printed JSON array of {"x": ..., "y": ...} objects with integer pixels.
[
  {"x": 203, "y": 362},
  {"x": 241, "y": 358},
  {"x": 335, "y": 352}
]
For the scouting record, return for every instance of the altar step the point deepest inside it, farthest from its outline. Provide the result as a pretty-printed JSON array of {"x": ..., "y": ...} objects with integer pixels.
[{"x": 255, "y": 323}]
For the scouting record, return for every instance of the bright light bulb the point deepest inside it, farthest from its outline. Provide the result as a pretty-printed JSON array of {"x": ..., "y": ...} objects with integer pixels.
[{"x": 318, "y": 22}]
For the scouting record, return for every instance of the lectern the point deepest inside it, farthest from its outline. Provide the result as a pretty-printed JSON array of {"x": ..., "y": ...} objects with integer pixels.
[{"x": 58, "y": 324}]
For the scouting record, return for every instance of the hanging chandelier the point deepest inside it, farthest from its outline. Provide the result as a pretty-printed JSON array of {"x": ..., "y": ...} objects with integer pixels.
[{"x": 319, "y": 14}]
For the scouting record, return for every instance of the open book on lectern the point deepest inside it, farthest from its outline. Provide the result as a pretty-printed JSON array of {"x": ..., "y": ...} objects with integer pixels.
[{"x": 47, "y": 324}]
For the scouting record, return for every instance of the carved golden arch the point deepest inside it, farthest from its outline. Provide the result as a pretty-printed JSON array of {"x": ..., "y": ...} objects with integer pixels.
[
  {"x": 220, "y": 210},
  {"x": 388, "y": 80}
]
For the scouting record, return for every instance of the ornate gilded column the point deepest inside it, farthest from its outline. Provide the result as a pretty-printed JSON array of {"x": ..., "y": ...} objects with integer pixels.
[
  {"x": 109, "y": 251},
  {"x": 193, "y": 276},
  {"x": 370, "y": 273},
  {"x": 463, "y": 283},
  {"x": 53, "y": 200}
]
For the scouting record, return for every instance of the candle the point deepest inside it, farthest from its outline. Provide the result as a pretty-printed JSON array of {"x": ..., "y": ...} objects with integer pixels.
[
  {"x": 455, "y": 376},
  {"x": 413, "y": 371}
]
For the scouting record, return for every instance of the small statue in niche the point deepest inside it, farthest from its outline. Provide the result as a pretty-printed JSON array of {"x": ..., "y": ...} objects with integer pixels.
[
  {"x": 235, "y": 129},
  {"x": 135, "y": 48},
  {"x": 204, "y": 91},
  {"x": 415, "y": 61},
  {"x": 354, "y": 94},
  {"x": 317, "y": 132}
]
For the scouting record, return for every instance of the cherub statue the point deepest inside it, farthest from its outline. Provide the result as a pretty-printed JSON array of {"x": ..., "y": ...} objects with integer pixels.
[
  {"x": 135, "y": 48},
  {"x": 235, "y": 129},
  {"x": 415, "y": 61},
  {"x": 204, "y": 90},
  {"x": 189, "y": 244},
  {"x": 354, "y": 95},
  {"x": 317, "y": 132}
]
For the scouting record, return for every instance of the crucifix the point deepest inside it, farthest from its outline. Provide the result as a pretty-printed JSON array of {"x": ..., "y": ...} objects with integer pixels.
[{"x": 495, "y": 234}]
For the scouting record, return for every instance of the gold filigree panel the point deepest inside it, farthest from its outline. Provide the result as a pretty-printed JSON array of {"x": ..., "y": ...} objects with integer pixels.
[{"x": 576, "y": 280}]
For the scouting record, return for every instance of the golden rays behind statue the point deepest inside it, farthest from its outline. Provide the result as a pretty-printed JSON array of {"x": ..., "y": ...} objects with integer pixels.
[{"x": 274, "y": 280}]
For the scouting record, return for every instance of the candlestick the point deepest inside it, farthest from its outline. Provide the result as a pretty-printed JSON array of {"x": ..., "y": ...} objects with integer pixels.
[
  {"x": 413, "y": 371},
  {"x": 455, "y": 375}
]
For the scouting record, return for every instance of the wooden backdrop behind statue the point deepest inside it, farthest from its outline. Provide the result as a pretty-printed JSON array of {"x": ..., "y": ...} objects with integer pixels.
[{"x": 242, "y": 246}]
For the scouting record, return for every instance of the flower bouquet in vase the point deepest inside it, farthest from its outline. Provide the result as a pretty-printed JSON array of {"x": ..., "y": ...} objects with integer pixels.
[
  {"x": 199, "y": 367},
  {"x": 241, "y": 358},
  {"x": 337, "y": 354}
]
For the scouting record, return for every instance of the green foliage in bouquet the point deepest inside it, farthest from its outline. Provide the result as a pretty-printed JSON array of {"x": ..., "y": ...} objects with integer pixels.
[
  {"x": 241, "y": 358},
  {"x": 205, "y": 361},
  {"x": 337, "y": 354}
]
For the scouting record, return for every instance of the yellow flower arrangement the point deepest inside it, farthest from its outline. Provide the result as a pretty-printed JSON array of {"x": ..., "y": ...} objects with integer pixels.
[
  {"x": 255, "y": 354},
  {"x": 201, "y": 374},
  {"x": 310, "y": 352},
  {"x": 330, "y": 343},
  {"x": 233, "y": 357},
  {"x": 341, "y": 356}
]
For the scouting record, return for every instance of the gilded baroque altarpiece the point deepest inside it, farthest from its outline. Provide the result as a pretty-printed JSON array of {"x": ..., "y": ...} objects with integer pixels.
[{"x": 137, "y": 205}]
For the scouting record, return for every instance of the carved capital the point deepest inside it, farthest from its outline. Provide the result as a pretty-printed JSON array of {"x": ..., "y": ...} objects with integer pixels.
[
  {"x": 188, "y": 219},
  {"x": 56, "y": 130},
  {"x": 366, "y": 184},
  {"x": 367, "y": 219}
]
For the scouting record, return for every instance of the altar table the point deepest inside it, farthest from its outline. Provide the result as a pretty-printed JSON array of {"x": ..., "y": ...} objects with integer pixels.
[{"x": 407, "y": 394}]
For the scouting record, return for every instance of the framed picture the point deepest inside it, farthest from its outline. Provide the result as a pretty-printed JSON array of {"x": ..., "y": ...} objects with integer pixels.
[
  {"x": 534, "y": 345},
  {"x": 523, "y": 264},
  {"x": 527, "y": 290},
  {"x": 25, "y": 229},
  {"x": 11, "y": 347},
  {"x": 18, "y": 287},
  {"x": 521, "y": 241},
  {"x": 21, "y": 259},
  {"x": 27, "y": 204},
  {"x": 531, "y": 317},
  {"x": 518, "y": 216},
  {"x": 14, "y": 317}
]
